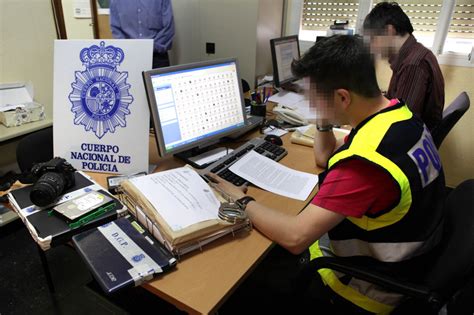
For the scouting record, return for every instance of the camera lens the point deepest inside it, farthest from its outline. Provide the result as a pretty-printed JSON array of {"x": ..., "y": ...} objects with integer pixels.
[{"x": 47, "y": 189}]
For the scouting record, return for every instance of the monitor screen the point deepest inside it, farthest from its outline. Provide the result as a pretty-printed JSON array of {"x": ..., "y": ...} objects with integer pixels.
[
  {"x": 194, "y": 105},
  {"x": 284, "y": 51}
]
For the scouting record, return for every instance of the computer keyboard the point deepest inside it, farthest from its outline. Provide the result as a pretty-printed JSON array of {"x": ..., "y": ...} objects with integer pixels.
[{"x": 259, "y": 145}]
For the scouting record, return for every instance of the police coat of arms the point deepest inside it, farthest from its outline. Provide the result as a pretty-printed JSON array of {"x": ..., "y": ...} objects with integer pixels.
[{"x": 100, "y": 94}]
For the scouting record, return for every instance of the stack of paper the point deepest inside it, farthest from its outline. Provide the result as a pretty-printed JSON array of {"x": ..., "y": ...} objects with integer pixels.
[
  {"x": 179, "y": 208},
  {"x": 305, "y": 135}
]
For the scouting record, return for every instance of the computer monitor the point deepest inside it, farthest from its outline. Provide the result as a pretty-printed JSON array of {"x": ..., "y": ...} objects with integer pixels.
[
  {"x": 194, "y": 105},
  {"x": 284, "y": 51},
  {"x": 320, "y": 38}
]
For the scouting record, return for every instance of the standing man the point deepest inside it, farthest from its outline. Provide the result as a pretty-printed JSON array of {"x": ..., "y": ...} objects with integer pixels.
[
  {"x": 417, "y": 78},
  {"x": 380, "y": 197},
  {"x": 141, "y": 19}
]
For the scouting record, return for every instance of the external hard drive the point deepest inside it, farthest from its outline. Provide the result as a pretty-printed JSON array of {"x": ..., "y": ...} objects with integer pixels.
[{"x": 82, "y": 205}]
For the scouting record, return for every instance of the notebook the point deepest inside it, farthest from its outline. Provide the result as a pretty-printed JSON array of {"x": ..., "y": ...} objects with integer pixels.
[{"x": 121, "y": 254}]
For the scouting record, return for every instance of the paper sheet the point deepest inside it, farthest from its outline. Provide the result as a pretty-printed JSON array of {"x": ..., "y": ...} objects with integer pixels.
[
  {"x": 275, "y": 177},
  {"x": 7, "y": 107},
  {"x": 211, "y": 156},
  {"x": 302, "y": 108},
  {"x": 286, "y": 98},
  {"x": 180, "y": 196},
  {"x": 275, "y": 131}
]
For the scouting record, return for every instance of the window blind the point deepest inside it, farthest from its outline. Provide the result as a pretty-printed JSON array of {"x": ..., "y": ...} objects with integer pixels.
[
  {"x": 424, "y": 14},
  {"x": 462, "y": 22},
  {"x": 318, "y": 16}
]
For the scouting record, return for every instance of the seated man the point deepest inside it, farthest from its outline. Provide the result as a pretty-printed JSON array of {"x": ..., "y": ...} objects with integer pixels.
[
  {"x": 416, "y": 78},
  {"x": 381, "y": 194}
]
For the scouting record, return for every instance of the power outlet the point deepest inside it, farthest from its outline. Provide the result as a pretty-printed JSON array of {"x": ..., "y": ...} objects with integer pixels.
[{"x": 210, "y": 48}]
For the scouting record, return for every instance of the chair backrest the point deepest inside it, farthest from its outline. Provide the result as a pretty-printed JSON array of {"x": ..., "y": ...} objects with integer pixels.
[
  {"x": 245, "y": 86},
  {"x": 454, "y": 266},
  {"x": 35, "y": 148},
  {"x": 450, "y": 116}
]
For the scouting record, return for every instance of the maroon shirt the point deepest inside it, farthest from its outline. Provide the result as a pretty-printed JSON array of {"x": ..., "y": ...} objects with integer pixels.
[{"x": 417, "y": 79}]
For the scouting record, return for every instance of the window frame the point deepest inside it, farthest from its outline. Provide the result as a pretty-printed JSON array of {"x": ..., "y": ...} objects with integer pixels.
[{"x": 293, "y": 26}]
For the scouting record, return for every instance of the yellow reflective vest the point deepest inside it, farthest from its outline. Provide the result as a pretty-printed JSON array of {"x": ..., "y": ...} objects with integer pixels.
[{"x": 399, "y": 143}]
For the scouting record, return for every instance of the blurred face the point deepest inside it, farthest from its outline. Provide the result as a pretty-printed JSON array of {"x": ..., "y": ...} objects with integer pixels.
[
  {"x": 325, "y": 105},
  {"x": 381, "y": 42}
]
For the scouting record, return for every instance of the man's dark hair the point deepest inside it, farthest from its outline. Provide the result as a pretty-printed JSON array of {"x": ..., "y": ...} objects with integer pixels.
[
  {"x": 339, "y": 61},
  {"x": 385, "y": 13}
]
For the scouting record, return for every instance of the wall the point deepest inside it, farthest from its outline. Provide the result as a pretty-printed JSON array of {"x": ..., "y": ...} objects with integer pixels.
[
  {"x": 76, "y": 28},
  {"x": 457, "y": 150},
  {"x": 187, "y": 30},
  {"x": 269, "y": 25},
  {"x": 231, "y": 25},
  {"x": 27, "y": 33},
  {"x": 26, "y": 45}
]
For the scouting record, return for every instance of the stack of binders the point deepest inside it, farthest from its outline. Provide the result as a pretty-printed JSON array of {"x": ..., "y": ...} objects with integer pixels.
[
  {"x": 178, "y": 240},
  {"x": 50, "y": 230},
  {"x": 122, "y": 254}
]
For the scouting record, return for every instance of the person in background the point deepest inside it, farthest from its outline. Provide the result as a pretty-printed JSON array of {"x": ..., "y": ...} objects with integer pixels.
[
  {"x": 141, "y": 19},
  {"x": 416, "y": 78},
  {"x": 380, "y": 197}
]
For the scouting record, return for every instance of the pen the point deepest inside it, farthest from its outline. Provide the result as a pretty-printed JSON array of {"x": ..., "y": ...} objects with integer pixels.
[{"x": 208, "y": 179}]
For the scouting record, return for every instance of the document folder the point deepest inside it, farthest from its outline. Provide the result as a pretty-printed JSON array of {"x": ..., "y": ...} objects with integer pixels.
[
  {"x": 122, "y": 254},
  {"x": 50, "y": 230},
  {"x": 184, "y": 240}
]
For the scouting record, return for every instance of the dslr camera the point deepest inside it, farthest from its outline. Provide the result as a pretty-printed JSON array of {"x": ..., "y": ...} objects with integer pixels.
[{"x": 52, "y": 179}]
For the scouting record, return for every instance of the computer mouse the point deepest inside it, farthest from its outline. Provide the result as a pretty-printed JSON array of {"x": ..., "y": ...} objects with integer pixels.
[{"x": 273, "y": 139}]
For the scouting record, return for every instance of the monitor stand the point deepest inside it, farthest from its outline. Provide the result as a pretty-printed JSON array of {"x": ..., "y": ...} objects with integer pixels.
[{"x": 201, "y": 157}]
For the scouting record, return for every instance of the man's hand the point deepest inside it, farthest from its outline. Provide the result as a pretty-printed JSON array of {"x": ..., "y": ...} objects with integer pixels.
[{"x": 230, "y": 189}]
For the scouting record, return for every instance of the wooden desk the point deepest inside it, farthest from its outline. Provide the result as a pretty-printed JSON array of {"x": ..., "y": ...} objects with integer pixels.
[{"x": 203, "y": 280}]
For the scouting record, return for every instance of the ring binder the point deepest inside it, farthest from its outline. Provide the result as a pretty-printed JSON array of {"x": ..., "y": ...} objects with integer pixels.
[{"x": 184, "y": 241}]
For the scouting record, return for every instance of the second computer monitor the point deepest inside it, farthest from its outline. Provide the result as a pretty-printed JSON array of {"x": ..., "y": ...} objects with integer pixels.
[
  {"x": 284, "y": 51},
  {"x": 194, "y": 105}
]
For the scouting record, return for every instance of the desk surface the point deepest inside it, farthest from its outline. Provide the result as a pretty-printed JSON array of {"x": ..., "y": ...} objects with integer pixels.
[
  {"x": 7, "y": 133},
  {"x": 202, "y": 280}
]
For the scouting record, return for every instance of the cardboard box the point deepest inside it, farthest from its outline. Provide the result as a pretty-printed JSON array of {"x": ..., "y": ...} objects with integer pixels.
[{"x": 17, "y": 106}]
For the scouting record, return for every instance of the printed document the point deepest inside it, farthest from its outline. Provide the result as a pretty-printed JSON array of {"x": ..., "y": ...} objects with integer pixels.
[
  {"x": 302, "y": 107},
  {"x": 275, "y": 177},
  {"x": 180, "y": 196},
  {"x": 286, "y": 98}
]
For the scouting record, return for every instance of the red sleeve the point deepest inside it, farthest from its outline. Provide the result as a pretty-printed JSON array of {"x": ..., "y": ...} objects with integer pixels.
[{"x": 355, "y": 187}]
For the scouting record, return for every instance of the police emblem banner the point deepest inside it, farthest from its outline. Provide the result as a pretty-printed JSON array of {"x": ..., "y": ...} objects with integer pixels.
[{"x": 101, "y": 116}]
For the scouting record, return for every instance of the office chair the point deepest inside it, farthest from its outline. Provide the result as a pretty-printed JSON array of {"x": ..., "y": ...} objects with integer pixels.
[
  {"x": 34, "y": 148},
  {"x": 451, "y": 115},
  {"x": 245, "y": 86},
  {"x": 446, "y": 281}
]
